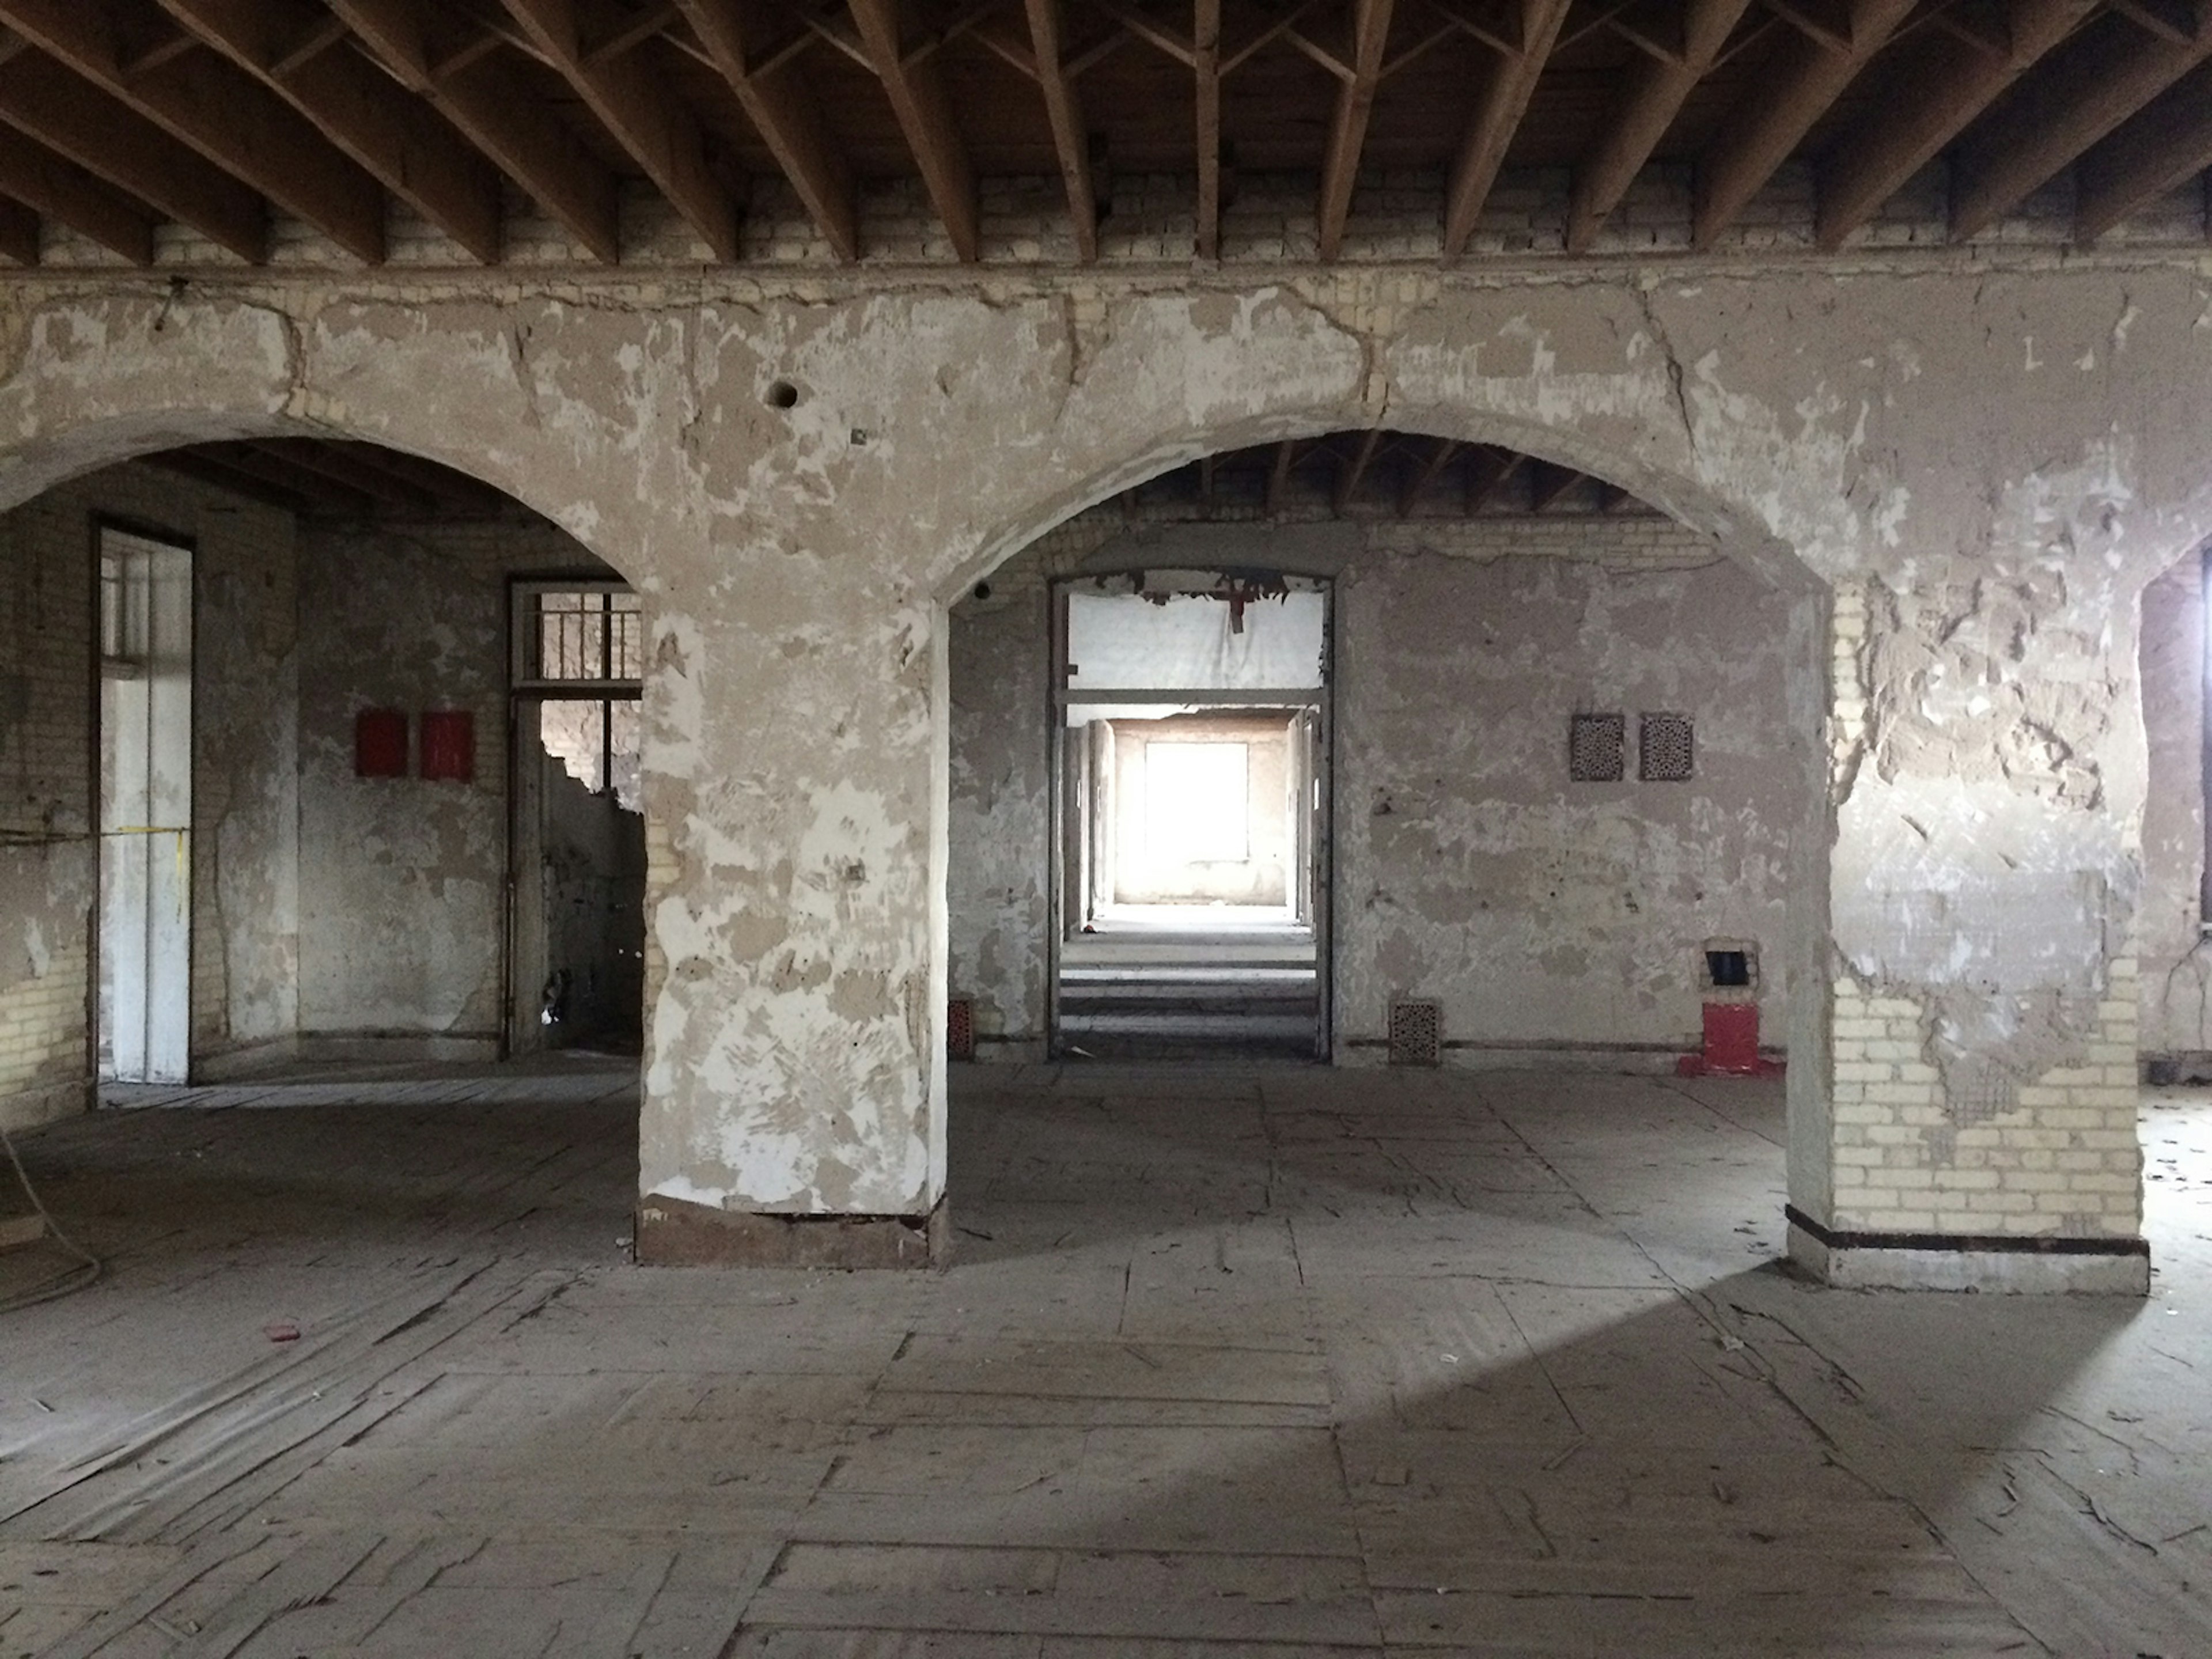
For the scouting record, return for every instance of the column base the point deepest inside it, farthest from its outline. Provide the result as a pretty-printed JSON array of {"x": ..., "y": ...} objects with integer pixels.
[
  {"x": 673, "y": 1232},
  {"x": 2000, "y": 1262}
]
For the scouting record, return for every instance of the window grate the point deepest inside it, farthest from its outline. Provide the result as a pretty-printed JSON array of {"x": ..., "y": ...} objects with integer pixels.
[
  {"x": 1666, "y": 749},
  {"x": 1597, "y": 748},
  {"x": 580, "y": 636},
  {"x": 1416, "y": 1031}
]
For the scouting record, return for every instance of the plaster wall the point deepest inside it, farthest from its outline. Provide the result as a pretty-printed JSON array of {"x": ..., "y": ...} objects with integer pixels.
[
  {"x": 1962, "y": 467},
  {"x": 1541, "y": 912},
  {"x": 2177, "y": 964},
  {"x": 403, "y": 880},
  {"x": 245, "y": 807}
]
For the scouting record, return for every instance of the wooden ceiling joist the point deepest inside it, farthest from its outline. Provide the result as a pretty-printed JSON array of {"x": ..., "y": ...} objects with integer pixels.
[
  {"x": 1500, "y": 98},
  {"x": 19, "y": 233},
  {"x": 1347, "y": 128},
  {"x": 924, "y": 112},
  {"x": 380, "y": 484},
  {"x": 1206, "y": 66},
  {"x": 1278, "y": 474},
  {"x": 1487, "y": 472},
  {"x": 42, "y": 100},
  {"x": 1063, "y": 109},
  {"x": 292, "y": 46},
  {"x": 214, "y": 108},
  {"x": 493, "y": 106},
  {"x": 1948, "y": 84},
  {"x": 782, "y": 106},
  {"x": 1352, "y": 469},
  {"x": 1807, "y": 75},
  {"x": 1420, "y": 478},
  {"x": 1654, "y": 90},
  {"x": 2159, "y": 151},
  {"x": 33, "y": 175},
  {"x": 2065, "y": 105},
  {"x": 1547, "y": 482},
  {"x": 660, "y": 133}
]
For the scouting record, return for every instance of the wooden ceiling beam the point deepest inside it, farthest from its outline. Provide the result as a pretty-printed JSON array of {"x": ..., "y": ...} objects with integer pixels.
[
  {"x": 1488, "y": 471},
  {"x": 1347, "y": 127},
  {"x": 924, "y": 112},
  {"x": 42, "y": 100},
  {"x": 1278, "y": 474},
  {"x": 201, "y": 468},
  {"x": 216, "y": 109},
  {"x": 65, "y": 193},
  {"x": 1206, "y": 66},
  {"x": 1500, "y": 98},
  {"x": 1063, "y": 109},
  {"x": 1946, "y": 84},
  {"x": 1349, "y": 472},
  {"x": 2159, "y": 151},
  {"x": 1547, "y": 482},
  {"x": 362, "y": 111},
  {"x": 1652, "y": 93},
  {"x": 1428, "y": 472},
  {"x": 498, "y": 112},
  {"x": 2068, "y": 101},
  {"x": 658, "y": 129},
  {"x": 457, "y": 491},
  {"x": 325, "y": 461},
  {"x": 1805, "y": 76},
  {"x": 259, "y": 466},
  {"x": 783, "y": 109}
]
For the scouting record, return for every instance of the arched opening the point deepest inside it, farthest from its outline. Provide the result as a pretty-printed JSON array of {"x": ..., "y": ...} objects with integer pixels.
[
  {"x": 1570, "y": 787},
  {"x": 325, "y": 764}
]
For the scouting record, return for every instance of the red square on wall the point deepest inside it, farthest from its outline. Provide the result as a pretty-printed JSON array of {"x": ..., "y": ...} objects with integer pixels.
[
  {"x": 379, "y": 743},
  {"x": 449, "y": 745}
]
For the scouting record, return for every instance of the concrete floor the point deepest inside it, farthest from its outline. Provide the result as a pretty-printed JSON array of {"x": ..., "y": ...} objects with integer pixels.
[{"x": 1253, "y": 1362}]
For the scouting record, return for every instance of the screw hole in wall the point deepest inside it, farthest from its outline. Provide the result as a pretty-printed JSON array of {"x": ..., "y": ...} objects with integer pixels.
[
  {"x": 982, "y": 590},
  {"x": 782, "y": 394}
]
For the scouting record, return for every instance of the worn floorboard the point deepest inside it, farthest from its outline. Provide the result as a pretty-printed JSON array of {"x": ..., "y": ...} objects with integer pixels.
[{"x": 1258, "y": 1361}]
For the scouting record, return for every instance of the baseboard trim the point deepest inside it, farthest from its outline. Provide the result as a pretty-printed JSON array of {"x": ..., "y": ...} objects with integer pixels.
[
  {"x": 2004, "y": 1262},
  {"x": 674, "y": 1233}
]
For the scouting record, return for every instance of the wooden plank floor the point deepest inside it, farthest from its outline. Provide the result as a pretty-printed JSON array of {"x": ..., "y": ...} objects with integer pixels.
[{"x": 1230, "y": 1363}]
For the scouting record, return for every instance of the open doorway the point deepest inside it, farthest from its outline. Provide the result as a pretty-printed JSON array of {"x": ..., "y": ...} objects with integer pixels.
[
  {"x": 1191, "y": 717},
  {"x": 577, "y": 916},
  {"x": 145, "y": 903}
]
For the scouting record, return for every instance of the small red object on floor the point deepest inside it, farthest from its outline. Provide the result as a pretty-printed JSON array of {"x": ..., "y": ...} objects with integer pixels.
[
  {"x": 283, "y": 1330},
  {"x": 1731, "y": 1045}
]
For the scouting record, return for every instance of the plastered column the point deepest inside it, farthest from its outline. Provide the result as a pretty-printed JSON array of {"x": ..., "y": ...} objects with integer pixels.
[{"x": 1981, "y": 1131}]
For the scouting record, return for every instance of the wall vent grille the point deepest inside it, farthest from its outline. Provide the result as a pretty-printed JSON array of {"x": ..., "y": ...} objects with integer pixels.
[
  {"x": 1417, "y": 1031},
  {"x": 1597, "y": 748},
  {"x": 1666, "y": 749},
  {"x": 960, "y": 1029}
]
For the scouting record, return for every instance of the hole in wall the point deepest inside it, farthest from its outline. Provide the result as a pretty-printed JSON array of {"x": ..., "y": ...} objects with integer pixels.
[
  {"x": 982, "y": 590},
  {"x": 782, "y": 394},
  {"x": 1727, "y": 968}
]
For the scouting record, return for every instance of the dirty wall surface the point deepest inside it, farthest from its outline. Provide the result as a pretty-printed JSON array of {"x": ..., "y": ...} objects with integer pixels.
[
  {"x": 1974, "y": 465},
  {"x": 1468, "y": 868}
]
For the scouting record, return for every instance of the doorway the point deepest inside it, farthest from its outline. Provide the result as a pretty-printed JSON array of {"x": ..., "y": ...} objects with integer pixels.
[
  {"x": 1191, "y": 723},
  {"x": 144, "y": 1025},
  {"x": 577, "y": 910}
]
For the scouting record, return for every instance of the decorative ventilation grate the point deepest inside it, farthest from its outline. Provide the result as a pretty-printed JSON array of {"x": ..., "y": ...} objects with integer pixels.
[
  {"x": 1666, "y": 749},
  {"x": 1597, "y": 748},
  {"x": 960, "y": 1029},
  {"x": 1416, "y": 1032}
]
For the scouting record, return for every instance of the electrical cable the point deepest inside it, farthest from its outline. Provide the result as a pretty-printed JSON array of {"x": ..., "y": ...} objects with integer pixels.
[{"x": 89, "y": 1266}]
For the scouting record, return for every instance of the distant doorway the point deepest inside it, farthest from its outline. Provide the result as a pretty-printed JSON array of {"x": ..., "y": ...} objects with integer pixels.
[
  {"x": 577, "y": 916},
  {"x": 145, "y": 981},
  {"x": 1191, "y": 724}
]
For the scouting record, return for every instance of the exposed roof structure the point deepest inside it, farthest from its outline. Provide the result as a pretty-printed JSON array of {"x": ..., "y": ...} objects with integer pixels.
[{"x": 228, "y": 117}]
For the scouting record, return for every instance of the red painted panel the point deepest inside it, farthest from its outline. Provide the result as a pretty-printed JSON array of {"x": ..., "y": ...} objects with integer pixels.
[
  {"x": 379, "y": 743},
  {"x": 449, "y": 745}
]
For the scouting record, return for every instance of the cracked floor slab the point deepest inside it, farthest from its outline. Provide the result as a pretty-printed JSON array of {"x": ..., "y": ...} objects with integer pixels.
[{"x": 1242, "y": 1361}]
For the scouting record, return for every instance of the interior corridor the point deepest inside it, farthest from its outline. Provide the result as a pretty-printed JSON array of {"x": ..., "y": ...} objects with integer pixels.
[{"x": 1256, "y": 1360}]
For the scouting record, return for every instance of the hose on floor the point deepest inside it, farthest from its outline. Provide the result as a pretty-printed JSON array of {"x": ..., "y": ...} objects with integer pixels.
[{"x": 70, "y": 1280}]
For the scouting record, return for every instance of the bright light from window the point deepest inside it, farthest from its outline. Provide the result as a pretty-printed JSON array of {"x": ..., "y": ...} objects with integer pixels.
[{"x": 1197, "y": 803}]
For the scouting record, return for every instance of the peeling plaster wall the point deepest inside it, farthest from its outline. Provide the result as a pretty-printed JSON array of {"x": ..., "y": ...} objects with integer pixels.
[
  {"x": 1983, "y": 454},
  {"x": 2176, "y": 959},
  {"x": 402, "y": 879},
  {"x": 245, "y": 889},
  {"x": 1469, "y": 868}
]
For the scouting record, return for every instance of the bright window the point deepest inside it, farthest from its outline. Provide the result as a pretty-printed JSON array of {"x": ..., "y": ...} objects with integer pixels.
[{"x": 1197, "y": 803}]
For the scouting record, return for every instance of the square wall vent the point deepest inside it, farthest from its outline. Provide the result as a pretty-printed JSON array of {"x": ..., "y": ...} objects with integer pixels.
[
  {"x": 1417, "y": 1031},
  {"x": 1597, "y": 748},
  {"x": 1666, "y": 749},
  {"x": 960, "y": 1029}
]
